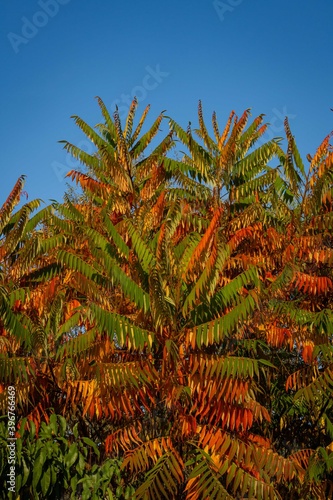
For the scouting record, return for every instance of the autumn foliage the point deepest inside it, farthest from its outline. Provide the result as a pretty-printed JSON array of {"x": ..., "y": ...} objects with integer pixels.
[{"x": 178, "y": 312}]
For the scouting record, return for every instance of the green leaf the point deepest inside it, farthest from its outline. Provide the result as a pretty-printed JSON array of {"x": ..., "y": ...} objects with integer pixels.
[
  {"x": 75, "y": 431},
  {"x": 45, "y": 481},
  {"x": 38, "y": 467},
  {"x": 26, "y": 471},
  {"x": 91, "y": 443},
  {"x": 72, "y": 455}
]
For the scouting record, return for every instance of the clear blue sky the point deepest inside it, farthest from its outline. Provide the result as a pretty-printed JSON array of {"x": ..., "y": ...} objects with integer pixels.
[{"x": 57, "y": 55}]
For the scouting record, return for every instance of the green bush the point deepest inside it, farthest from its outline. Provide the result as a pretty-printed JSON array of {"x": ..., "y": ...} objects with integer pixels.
[{"x": 58, "y": 463}]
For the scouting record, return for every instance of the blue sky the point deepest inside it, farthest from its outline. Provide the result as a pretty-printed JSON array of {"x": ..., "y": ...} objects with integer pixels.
[{"x": 57, "y": 55}]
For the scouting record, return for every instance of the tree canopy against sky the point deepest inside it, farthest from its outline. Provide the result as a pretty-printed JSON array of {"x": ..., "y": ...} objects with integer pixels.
[
  {"x": 57, "y": 55},
  {"x": 177, "y": 313}
]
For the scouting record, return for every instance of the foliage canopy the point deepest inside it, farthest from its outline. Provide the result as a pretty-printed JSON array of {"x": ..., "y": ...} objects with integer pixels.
[{"x": 177, "y": 313}]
